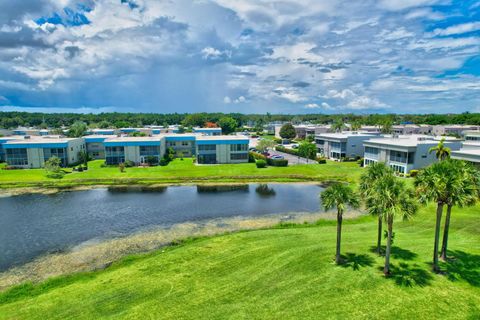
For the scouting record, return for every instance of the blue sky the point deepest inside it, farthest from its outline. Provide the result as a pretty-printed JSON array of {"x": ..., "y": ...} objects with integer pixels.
[{"x": 251, "y": 56}]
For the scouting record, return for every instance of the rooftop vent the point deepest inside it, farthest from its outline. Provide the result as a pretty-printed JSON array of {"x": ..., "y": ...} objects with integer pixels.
[{"x": 26, "y": 137}]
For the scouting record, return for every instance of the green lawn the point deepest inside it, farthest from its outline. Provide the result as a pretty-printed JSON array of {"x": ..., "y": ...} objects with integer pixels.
[
  {"x": 182, "y": 171},
  {"x": 278, "y": 273}
]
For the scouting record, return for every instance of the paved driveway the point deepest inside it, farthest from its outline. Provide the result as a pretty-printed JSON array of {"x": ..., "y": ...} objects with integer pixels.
[{"x": 292, "y": 160}]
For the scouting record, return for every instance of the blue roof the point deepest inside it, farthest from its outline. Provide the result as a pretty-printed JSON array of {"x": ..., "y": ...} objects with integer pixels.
[
  {"x": 35, "y": 145},
  {"x": 180, "y": 138},
  {"x": 222, "y": 141},
  {"x": 131, "y": 143}
]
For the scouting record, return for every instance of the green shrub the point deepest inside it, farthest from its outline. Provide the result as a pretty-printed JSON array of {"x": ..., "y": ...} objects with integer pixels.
[
  {"x": 413, "y": 173},
  {"x": 285, "y": 150},
  {"x": 129, "y": 164},
  {"x": 251, "y": 157},
  {"x": 121, "y": 167},
  {"x": 164, "y": 162},
  {"x": 277, "y": 140},
  {"x": 321, "y": 160},
  {"x": 277, "y": 162},
  {"x": 257, "y": 156},
  {"x": 261, "y": 163},
  {"x": 360, "y": 162}
]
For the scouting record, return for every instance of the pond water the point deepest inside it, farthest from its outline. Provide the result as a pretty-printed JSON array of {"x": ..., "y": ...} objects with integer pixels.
[{"x": 33, "y": 225}]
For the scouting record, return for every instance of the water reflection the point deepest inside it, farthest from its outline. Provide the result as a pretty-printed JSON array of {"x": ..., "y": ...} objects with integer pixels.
[
  {"x": 222, "y": 188},
  {"x": 263, "y": 190}
]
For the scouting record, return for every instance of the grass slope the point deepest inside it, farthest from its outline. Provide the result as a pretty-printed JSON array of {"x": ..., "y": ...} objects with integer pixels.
[
  {"x": 277, "y": 273},
  {"x": 183, "y": 171}
]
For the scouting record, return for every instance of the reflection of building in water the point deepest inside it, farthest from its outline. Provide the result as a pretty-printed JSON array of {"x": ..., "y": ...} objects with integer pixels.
[
  {"x": 264, "y": 190},
  {"x": 226, "y": 188},
  {"x": 143, "y": 189}
]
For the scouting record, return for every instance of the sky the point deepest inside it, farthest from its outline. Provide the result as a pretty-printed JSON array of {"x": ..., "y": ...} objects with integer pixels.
[{"x": 249, "y": 56}]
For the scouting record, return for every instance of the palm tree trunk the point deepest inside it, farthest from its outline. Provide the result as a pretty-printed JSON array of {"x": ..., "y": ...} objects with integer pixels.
[
  {"x": 379, "y": 235},
  {"x": 386, "y": 269},
  {"x": 443, "y": 255},
  {"x": 437, "y": 236},
  {"x": 339, "y": 236}
]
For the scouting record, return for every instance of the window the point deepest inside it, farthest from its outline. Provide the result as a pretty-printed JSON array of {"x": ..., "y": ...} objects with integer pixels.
[
  {"x": 149, "y": 150},
  {"x": 57, "y": 152},
  {"x": 207, "y": 158},
  {"x": 95, "y": 154},
  {"x": 171, "y": 143},
  {"x": 398, "y": 156},
  {"x": 239, "y": 156},
  {"x": 17, "y": 157},
  {"x": 114, "y": 155},
  {"x": 238, "y": 147},
  {"x": 207, "y": 147},
  {"x": 185, "y": 143}
]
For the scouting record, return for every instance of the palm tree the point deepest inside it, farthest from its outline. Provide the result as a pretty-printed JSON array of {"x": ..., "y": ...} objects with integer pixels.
[
  {"x": 441, "y": 152},
  {"x": 434, "y": 184},
  {"x": 374, "y": 173},
  {"x": 356, "y": 125},
  {"x": 339, "y": 196},
  {"x": 389, "y": 195},
  {"x": 464, "y": 193}
]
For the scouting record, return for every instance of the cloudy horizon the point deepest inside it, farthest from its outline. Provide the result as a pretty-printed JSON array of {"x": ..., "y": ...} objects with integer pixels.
[{"x": 250, "y": 56}]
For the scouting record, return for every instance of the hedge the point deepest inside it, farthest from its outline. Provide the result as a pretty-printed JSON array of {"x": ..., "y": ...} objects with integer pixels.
[
  {"x": 277, "y": 162},
  {"x": 291, "y": 151}
]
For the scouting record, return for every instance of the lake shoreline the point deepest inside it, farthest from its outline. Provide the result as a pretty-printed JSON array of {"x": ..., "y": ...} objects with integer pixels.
[
  {"x": 16, "y": 191},
  {"x": 98, "y": 254}
]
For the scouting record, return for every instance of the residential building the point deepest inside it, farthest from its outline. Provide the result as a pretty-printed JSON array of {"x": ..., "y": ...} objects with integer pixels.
[
  {"x": 184, "y": 145},
  {"x": 103, "y": 132},
  {"x": 95, "y": 145},
  {"x": 348, "y": 144},
  {"x": 371, "y": 129},
  {"x": 221, "y": 149},
  {"x": 135, "y": 149},
  {"x": 2, "y": 151},
  {"x": 22, "y": 131},
  {"x": 32, "y": 152},
  {"x": 470, "y": 154},
  {"x": 208, "y": 131},
  {"x": 472, "y": 135},
  {"x": 406, "y": 129},
  {"x": 454, "y": 129},
  {"x": 405, "y": 153}
]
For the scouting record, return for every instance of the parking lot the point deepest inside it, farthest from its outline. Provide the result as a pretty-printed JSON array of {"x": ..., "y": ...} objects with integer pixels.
[{"x": 292, "y": 160}]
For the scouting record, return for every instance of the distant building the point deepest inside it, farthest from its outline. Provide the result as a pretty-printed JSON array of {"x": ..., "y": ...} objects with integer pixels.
[
  {"x": 95, "y": 145},
  {"x": 406, "y": 129},
  {"x": 33, "y": 152},
  {"x": 469, "y": 154},
  {"x": 208, "y": 131},
  {"x": 453, "y": 129},
  {"x": 103, "y": 132},
  {"x": 336, "y": 146},
  {"x": 404, "y": 153}
]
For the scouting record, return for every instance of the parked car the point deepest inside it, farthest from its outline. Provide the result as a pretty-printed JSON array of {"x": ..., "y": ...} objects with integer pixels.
[
  {"x": 252, "y": 149},
  {"x": 276, "y": 157},
  {"x": 266, "y": 154},
  {"x": 294, "y": 146}
]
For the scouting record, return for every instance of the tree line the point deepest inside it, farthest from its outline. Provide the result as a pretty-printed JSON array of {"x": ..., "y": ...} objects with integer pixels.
[
  {"x": 448, "y": 183},
  {"x": 10, "y": 120}
]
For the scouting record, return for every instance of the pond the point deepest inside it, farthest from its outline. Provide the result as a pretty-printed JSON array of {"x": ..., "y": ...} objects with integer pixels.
[{"x": 35, "y": 224}]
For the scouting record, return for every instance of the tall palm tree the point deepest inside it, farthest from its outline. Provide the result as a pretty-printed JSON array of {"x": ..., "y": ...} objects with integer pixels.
[
  {"x": 374, "y": 173},
  {"x": 441, "y": 152},
  {"x": 389, "y": 195},
  {"x": 339, "y": 196},
  {"x": 465, "y": 192},
  {"x": 435, "y": 184}
]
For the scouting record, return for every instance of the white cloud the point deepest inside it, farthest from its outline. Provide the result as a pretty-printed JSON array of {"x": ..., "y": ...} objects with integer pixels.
[
  {"x": 457, "y": 29},
  {"x": 397, "y": 5},
  {"x": 312, "y": 106}
]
